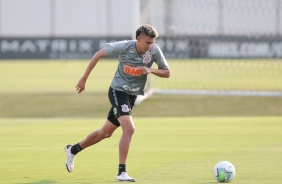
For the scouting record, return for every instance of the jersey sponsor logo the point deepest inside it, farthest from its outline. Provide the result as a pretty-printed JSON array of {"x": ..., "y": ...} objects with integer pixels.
[
  {"x": 124, "y": 108},
  {"x": 132, "y": 71},
  {"x": 147, "y": 57},
  {"x": 127, "y": 88},
  {"x": 131, "y": 50}
]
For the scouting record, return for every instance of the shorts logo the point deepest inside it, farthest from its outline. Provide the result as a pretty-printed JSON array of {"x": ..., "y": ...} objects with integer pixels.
[
  {"x": 147, "y": 58},
  {"x": 124, "y": 108},
  {"x": 115, "y": 111}
]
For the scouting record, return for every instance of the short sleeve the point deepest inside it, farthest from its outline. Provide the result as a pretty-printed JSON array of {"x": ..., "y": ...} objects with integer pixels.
[
  {"x": 114, "y": 48},
  {"x": 159, "y": 58}
]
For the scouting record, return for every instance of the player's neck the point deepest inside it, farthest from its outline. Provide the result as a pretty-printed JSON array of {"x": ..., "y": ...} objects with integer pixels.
[{"x": 139, "y": 51}]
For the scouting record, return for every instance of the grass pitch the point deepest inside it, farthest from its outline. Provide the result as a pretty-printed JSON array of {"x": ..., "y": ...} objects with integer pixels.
[
  {"x": 62, "y": 76},
  {"x": 47, "y": 89},
  {"x": 163, "y": 151},
  {"x": 40, "y": 113}
]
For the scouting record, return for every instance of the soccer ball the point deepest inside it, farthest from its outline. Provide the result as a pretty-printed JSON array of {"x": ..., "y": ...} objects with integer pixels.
[{"x": 224, "y": 172}]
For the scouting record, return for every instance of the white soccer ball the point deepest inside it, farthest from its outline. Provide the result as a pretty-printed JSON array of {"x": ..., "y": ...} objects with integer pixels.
[{"x": 224, "y": 172}]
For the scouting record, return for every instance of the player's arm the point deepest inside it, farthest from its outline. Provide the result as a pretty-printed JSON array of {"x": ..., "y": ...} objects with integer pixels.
[
  {"x": 94, "y": 60},
  {"x": 164, "y": 73}
]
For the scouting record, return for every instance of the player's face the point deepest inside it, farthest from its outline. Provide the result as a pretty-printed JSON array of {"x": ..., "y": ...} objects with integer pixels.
[{"x": 144, "y": 43}]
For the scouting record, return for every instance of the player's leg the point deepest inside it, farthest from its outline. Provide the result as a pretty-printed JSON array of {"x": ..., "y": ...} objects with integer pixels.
[
  {"x": 120, "y": 114},
  {"x": 105, "y": 132},
  {"x": 93, "y": 138},
  {"x": 128, "y": 129}
]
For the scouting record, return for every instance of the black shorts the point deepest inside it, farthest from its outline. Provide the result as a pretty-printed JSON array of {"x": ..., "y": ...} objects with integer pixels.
[{"x": 122, "y": 104}]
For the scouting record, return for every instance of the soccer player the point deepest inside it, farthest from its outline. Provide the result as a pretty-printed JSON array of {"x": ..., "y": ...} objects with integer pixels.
[{"x": 135, "y": 60}]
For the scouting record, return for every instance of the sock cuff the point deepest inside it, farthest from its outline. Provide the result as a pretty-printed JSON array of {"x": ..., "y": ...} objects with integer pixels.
[{"x": 76, "y": 148}]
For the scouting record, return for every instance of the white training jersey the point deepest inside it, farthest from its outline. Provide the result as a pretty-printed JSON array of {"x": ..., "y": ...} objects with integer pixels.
[{"x": 128, "y": 77}]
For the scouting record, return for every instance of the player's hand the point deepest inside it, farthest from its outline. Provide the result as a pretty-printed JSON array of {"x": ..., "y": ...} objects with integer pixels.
[
  {"x": 80, "y": 85},
  {"x": 144, "y": 69}
]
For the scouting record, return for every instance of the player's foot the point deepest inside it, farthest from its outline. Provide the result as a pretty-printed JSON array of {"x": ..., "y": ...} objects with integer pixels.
[
  {"x": 70, "y": 158},
  {"x": 123, "y": 177}
]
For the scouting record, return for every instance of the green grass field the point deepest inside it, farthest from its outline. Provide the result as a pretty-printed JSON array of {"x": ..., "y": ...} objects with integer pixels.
[
  {"x": 47, "y": 89},
  {"x": 178, "y": 139},
  {"x": 61, "y": 76},
  {"x": 164, "y": 150}
]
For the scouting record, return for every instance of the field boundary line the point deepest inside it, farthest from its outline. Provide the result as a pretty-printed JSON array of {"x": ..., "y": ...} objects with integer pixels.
[{"x": 216, "y": 92}]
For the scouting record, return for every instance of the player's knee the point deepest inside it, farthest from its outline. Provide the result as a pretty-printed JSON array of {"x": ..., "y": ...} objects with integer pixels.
[
  {"x": 107, "y": 135},
  {"x": 127, "y": 125},
  {"x": 129, "y": 130},
  {"x": 104, "y": 134}
]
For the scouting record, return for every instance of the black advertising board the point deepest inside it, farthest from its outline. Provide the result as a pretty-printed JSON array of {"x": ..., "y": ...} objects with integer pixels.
[{"x": 172, "y": 47}]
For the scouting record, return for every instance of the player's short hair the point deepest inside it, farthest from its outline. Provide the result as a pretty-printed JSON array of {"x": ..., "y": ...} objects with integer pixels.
[{"x": 148, "y": 30}]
